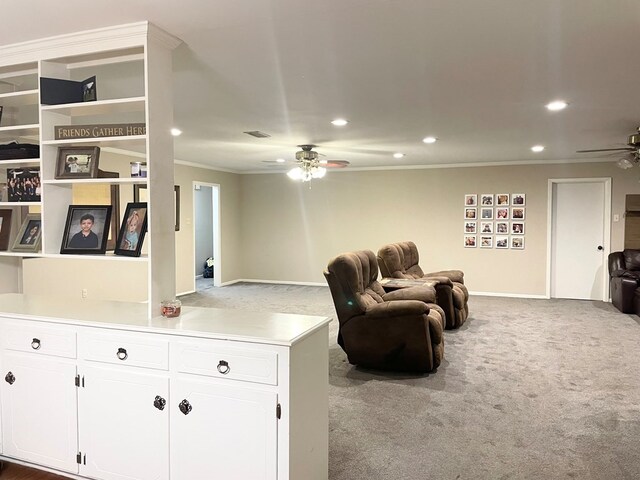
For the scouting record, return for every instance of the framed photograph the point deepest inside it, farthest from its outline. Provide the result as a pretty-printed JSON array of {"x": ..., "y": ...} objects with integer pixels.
[
  {"x": 486, "y": 227},
  {"x": 86, "y": 230},
  {"x": 502, "y": 213},
  {"x": 517, "y": 199},
  {"x": 89, "y": 90},
  {"x": 486, "y": 199},
  {"x": 5, "y": 228},
  {"x": 470, "y": 213},
  {"x": 502, "y": 227},
  {"x": 517, "y": 213},
  {"x": 486, "y": 242},
  {"x": 471, "y": 200},
  {"x": 23, "y": 184},
  {"x": 517, "y": 242},
  {"x": 470, "y": 241},
  {"x": 77, "y": 162},
  {"x": 517, "y": 228},
  {"x": 139, "y": 195},
  {"x": 486, "y": 213},
  {"x": 502, "y": 199},
  {"x": 132, "y": 230},
  {"x": 502, "y": 241},
  {"x": 29, "y": 235},
  {"x": 102, "y": 194},
  {"x": 469, "y": 227}
]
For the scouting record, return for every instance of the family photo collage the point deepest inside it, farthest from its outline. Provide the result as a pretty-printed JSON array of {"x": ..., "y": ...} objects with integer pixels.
[{"x": 494, "y": 220}]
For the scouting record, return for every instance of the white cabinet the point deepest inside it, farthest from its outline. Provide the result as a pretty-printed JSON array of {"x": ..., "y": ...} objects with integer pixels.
[
  {"x": 222, "y": 431},
  {"x": 213, "y": 394}
]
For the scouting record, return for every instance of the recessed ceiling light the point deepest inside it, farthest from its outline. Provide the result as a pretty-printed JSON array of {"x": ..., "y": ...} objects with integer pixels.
[
  {"x": 323, "y": 162},
  {"x": 398, "y": 155},
  {"x": 429, "y": 139},
  {"x": 557, "y": 105},
  {"x": 537, "y": 148},
  {"x": 280, "y": 160},
  {"x": 176, "y": 132},
  {"x": 339, "y": 122}
]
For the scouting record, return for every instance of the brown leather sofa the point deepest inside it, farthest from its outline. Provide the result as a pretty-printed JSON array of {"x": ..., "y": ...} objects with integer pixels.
[
  {"x": 624, "y": 275},
  {"x": 400, "y": 260},
  {"x": 400, "y": 330}
]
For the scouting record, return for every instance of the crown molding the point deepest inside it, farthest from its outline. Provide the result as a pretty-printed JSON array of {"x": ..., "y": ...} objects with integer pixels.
[{"x": 206, "y": 167}]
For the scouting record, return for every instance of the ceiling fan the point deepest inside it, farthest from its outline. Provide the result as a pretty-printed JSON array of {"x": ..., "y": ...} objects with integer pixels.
[
  {"x": 309, "y": 165},
  {"x": 632, "y": 148}
]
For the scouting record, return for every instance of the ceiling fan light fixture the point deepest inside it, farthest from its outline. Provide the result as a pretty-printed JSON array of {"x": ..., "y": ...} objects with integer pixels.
[
  {"x": 624, "y": 163},
  {"x": 295, "y": 173},
  {"x": 557, "y": 105}
]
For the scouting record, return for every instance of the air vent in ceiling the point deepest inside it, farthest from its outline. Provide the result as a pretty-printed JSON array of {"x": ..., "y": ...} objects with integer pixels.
[{"x": 258, "y": 134}]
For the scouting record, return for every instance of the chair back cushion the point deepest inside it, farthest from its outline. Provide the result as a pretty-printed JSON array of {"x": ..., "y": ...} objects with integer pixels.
[
  {"x": 400, "y": 260},
  {"x": 631, "y": 259}
]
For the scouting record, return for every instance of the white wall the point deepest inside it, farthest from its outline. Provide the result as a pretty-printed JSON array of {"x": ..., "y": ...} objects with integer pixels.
[{"x": 203, "y": 226}]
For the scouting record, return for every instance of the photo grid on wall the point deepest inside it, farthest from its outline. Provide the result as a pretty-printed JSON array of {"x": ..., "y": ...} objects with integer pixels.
[{"x": 494, "y": 220}]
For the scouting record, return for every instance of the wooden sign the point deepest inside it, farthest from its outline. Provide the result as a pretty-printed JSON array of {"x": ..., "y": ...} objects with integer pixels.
[{"x": 68, "y": 132}]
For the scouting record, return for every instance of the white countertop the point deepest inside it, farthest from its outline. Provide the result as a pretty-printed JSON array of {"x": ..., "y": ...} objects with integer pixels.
[{"x": 225, "y": 324}]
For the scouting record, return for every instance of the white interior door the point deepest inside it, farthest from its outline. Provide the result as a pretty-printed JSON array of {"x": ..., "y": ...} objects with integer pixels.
[{"x": 578, "y": 239}]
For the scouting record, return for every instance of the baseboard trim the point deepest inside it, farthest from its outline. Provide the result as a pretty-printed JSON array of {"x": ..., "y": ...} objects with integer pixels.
[
  {"x": 199, "y": 276},
  {"x": 510, "y": 295},
  {"x": 185, "y": 293},
  {"x": 278, "y": 282},
  {"x": 230, "y": 282}
]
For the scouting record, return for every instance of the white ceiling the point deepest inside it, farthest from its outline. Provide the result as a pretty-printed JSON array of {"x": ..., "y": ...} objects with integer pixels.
[{"x": 475, "y": 74}]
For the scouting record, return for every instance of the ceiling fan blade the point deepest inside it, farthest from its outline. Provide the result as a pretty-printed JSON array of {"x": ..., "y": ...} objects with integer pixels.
[
  {"x": 628, "y": 149},
  {"x": 334, "y": 163}
]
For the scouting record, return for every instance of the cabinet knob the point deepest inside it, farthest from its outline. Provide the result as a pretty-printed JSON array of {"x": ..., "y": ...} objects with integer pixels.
[
  {"x": 185, "y": 407},
  {"x": 9, "y": 378},
  {"x": 159, "y": 402},
  {"x": 223, "y": 367},
  {"x": 35, "y": 344},
  {"x": 122, "y": 354}
]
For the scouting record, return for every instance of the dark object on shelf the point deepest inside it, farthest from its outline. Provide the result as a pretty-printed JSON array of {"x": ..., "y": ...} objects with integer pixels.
[
  {"x": 56, "y": 91},
  {"x": 77, "y": 162},
  {"x": 86, "y": 229},
  {"x": 132, "y": 230},
  {"x": 208, "y": 268},
  {"x": 18, "y": 151},
  {"x": 5, "y": 228},
  {"x": 624, "y": 276},
  {"x": 23, "y": 184}
]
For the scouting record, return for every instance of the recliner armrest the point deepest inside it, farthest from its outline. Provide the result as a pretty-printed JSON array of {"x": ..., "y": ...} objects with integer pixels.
[
  {"x": 424, "y": 294},
  {"x": 454, "y": 275},
  {"x": 397, "y": 308}
]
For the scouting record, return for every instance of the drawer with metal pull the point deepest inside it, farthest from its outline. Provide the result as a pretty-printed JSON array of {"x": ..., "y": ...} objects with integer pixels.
[
  {"x": 130, "y": 349},
  {"x": 214, "y": 359},
  {"x": 38, "y": 338}
]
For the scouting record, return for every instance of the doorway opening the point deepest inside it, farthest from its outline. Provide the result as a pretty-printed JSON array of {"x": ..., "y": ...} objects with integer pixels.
[{"x": 207, "y": 261}]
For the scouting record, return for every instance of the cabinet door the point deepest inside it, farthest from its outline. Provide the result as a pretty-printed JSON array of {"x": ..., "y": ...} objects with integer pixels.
[
  {"x": 228, "y": 432},
  {"x": 39, "y": 410},
  {"x": 124, "y": 431}
]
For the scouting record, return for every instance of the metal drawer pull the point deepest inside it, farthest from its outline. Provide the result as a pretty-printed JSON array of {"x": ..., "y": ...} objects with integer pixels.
[
  {"x": 122, "y": 354},
  {"x": 185, "y": 407},
  {"x": 35, "y": 344},
  {"x": 159, "y": 402},
  {"x": 223, "y": 367},
  {"x": 10, "y": 378}
]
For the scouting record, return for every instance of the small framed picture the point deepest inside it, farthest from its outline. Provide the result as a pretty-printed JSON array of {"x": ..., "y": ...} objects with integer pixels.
[
  {"x": 471, "y": 200},
  {"x": 470, "y": 241},
  {"x": 517, "y": 213},
  {"x": 5, "y": 228},
  {"x": 502, "y": 241},
  {"x": 77, "y": 162},
  {"x": 517, "y": 242},
  {"x": 86, "y": 230},
  {"x": 517, "y": 199},
  {"x": 23, "y": 184},
  {"x": 486, "y": 227},
  {"x": 502, "y": 199},
  {"x": 502, "y": 227},
  {"x": 486, "y": 242},
  {"x": 517, "y": 228},
  {"x": 469, "y": 227},
  {"x": 133, "y": 230},
  {"x": 502, "y": 213},
  {"x": 29, "y": 235},
  {"x": 486, "y": 199},
  {"x": 486, "y": 213},
  {"x": 470, "y": 213},
  {"x": 89, "y": 90}
]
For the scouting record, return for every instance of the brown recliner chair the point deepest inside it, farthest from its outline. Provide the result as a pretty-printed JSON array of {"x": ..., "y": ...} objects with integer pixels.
[
  {"x": 400, "y": 330},
  {"x": 624, "y": 276},
  {"x": 400, "y": 260}
]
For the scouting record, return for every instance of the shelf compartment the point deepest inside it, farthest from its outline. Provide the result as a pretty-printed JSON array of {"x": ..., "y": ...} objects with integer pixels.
[
  {"x": 21, "y": 254},
  {"x": 20, "y": 162},
  {"x": 100, "y": 107},
  {"x": 112, "y": 181},
  {"x": 21, "y": 130},
  {"x": 19, "y": 99},
  {"x": 110, "y": 256},
  {"x": 20, "y": 204}
]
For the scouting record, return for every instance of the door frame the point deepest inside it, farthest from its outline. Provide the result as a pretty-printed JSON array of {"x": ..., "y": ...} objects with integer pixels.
[
  {"x": 217, "y": 235},
  {"x": 606, "y": 227}
]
